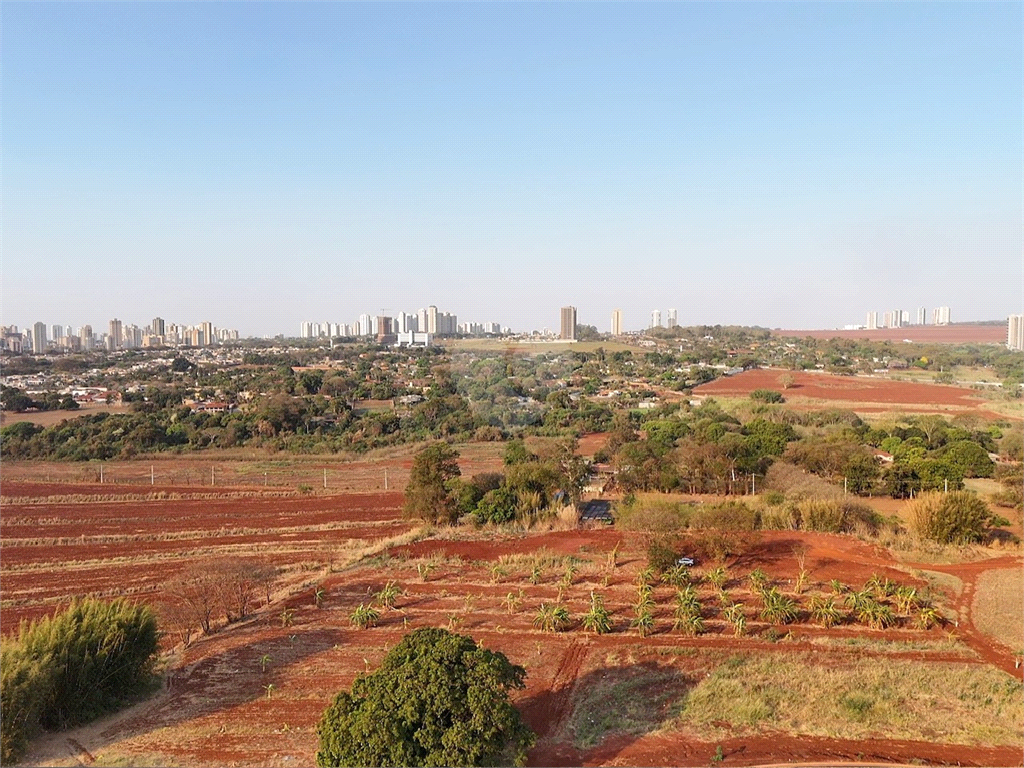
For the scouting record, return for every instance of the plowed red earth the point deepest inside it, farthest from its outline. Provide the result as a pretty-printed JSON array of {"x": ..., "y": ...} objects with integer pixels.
[
  {"x": 961, "y": 333},
  {"x": 854, "y": 389},
  {"x": 219, "y": 706}
]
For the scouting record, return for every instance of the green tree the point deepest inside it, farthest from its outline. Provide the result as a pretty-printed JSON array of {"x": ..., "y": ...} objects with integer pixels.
[
  {"x": 957, "y": 517},
  {"x": 427, "y": 496},
  {"x": 437, "y": 699}
]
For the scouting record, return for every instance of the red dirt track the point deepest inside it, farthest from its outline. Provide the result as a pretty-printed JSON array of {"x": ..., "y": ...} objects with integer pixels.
[{"x": 848, "y": 389}]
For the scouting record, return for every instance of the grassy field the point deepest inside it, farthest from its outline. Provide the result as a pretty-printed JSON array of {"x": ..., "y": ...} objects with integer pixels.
[
  {"x": 998, "y": 609},
  {"x": 952, "y": 703},
  {"x": 501, "y": 345}
]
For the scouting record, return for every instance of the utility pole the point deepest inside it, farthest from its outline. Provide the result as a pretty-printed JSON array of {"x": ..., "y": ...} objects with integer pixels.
[
  {"x": 152, "y": 475},
  {"x": 101, "y": 474},
  {"x": 947, "y": 485},
  {"x": 211, "y": 475},
  {"x": 844, "y": 486},
  {"x": 385, "y": 478},
  {"x": 325, "y": 477},
  {"x": 753, "y": 484},
  {"x": 264, "y": 479}
]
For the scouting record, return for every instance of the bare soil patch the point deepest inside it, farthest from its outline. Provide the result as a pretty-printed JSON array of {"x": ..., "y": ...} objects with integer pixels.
[{"x": 998, "y": 606}]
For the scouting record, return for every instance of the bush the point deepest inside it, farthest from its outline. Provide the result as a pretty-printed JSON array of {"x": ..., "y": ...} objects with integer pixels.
[
  {"x": 436, "y": 699},
  {"x": 70, "y": 668},
  {"x": 662, "y": 555},
  {"x": 957, "y": 517},
  {"x": 730, "y": 516},
  {"x": 767, "y": 396}
]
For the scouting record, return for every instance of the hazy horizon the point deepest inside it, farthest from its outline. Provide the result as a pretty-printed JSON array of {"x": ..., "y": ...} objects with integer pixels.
[{"x": 789, "y": 165}]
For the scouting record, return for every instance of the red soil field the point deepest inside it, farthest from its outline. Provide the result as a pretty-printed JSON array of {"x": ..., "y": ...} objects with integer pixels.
[
  {"x": 955, "y": 333},
  {"x": 847, "y": 389},
  {"x": 218, "y": 706}
]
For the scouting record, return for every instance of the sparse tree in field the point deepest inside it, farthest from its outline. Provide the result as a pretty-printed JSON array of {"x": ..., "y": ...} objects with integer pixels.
[
  {"x": 734, "y": 615},
  {"x": 597, "y": 619},
  {"x": 824, "y": 612},
  {"x": 551, "y": 617},
  {"x": 427, "y": 494},
  {"x": 786, "y": 380},
  {"x": 364, "y": 616},
  {"x": 199, "y": 592},
  {"x": 387, "y": 595},
  {"x": 436, "y": 699}
]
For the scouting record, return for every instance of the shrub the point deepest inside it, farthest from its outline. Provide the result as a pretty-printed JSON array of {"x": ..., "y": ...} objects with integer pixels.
[
  {"x": 730, "y": 516},
  {"x": 957, "y": 517},
  {"x": 70, "y": 668},
  {"x": 661, "y": 555},
  {"x": 436, "y": 699},
  {"x": 767, "y": 396}
]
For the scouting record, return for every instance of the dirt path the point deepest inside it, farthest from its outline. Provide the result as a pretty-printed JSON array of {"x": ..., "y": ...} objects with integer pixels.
[{"x": 989, "y": 649}]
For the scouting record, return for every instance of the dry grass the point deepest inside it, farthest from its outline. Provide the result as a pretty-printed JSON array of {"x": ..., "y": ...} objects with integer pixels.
[
  {"x": 997, "y": 609},
  {"x": 896, "y": 699}
]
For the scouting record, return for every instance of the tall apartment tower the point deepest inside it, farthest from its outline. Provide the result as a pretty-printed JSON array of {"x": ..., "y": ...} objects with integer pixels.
[
  {"x": 568, "y": 330},
  {"x": 616, "y": 322},
  {"x": 432, "y": 319},
  {"x": 922, "y": 316},
  {"x": 656, "y": 319},
  {"x": 940, "y": 316},
  {"x": 1015, "y": 332},
  {"x": 672, "y": 319},
  {"x": 158, "y": 327},
  {"x": 85, "y": 335},
  {"x": 38, "y": 338},
  {"x": 872, "y": 322},
  {"x": 116, "y": 340}
]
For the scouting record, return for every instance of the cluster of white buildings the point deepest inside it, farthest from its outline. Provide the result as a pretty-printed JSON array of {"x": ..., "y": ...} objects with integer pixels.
[
  {"x": 41, "y": 338},
  {"x": 425, "y": 321},
  {"x": 671, "y": 320},
  {"x": 898, "y": 318}
]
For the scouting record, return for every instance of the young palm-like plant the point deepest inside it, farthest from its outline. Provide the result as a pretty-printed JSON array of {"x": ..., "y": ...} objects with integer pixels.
[
  {"x": 644, "y": 596},
  {"x": 645, "y": 577},
  {"x": 717, "y": 577},
  {"x": 551, "y": 617},
  {"x": 679, "y": 576},
  {"x": 498, "y": 572},
  {"x": 928, "y": 617},
  {"x": 264, "y": 662},
  {"x": 824, "y": 611},
  {"x": 287, "y": 617},
  {"x": 570, "y": 572},
  {"x": 424, "y": 570},
  {"x": 688, "y": 612},
  {"x": 734, "y": 615},
  {"x": 837, "y": 586},
  {"x": 875, "y": 614},
  {"x": 801, "y": 581},
  {"x": 536, "y": 574},
  {"x": 319, "y": 594},
  {"x": 387, "y": 595},
  {"x": 513, "y": 601},
  {"x": 364, "y": 616},
  {"x": 597, "y": 619},
  {"x": 778, "y": 609},
  {"x": 906, "y": 599},
  {"x": 758, "y": 580},
  {"x": 644, "y": 621}
]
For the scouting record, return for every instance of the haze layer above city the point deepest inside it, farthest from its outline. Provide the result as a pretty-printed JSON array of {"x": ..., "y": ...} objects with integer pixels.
[{"x": 258, "y": 166}]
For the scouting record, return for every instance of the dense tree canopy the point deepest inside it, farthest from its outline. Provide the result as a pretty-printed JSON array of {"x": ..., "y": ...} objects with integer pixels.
[{"x": 437, "y": 699}]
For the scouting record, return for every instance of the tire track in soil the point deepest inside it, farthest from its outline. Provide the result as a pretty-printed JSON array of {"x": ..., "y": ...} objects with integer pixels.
[{"x": 562, "y": 685}]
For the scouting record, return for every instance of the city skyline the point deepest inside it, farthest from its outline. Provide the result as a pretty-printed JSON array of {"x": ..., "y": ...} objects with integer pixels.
[{"x": 772, "y": 164}]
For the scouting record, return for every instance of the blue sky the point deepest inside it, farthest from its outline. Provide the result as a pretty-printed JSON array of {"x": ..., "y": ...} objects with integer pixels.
[{"x": 259, "y": 164}]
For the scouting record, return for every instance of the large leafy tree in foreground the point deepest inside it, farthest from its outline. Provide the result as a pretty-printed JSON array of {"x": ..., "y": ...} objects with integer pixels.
[
  {"x": 437, "y": 699},
  {"x": 428, "y": 495}
]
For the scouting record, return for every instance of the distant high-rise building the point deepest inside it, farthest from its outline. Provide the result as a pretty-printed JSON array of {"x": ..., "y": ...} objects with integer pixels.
[
  {"x": 568, "y": 330},
  {"x": 616, "y": 322},
  {"x": 940, "y": 316},
  {"x": 672, "y": 321},
  {"x": 1015, "y": 332},
  {"x": 57, "y": 333},
  {"x": 656, "y": 319},
  {"x": 209, "y": 337},
  {"x": 922, "y": 316},
  {"x": 872, "y": 322},
  {"x": 432, "y": 320},
  {"x": 114, "y": 338},
  {"x": 158, "y": 327},
  {"x": 904, "y": 317},
  {"x": 365, "y": 325},
  {"x": 85, "y": 335},
  {"x": 38, "y": 338},
  {"x": 384, "y": 328}
]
